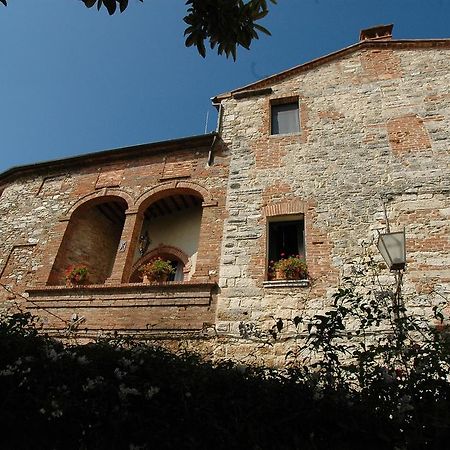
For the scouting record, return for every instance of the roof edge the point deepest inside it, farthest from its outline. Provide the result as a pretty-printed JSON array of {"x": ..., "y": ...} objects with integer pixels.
[
  {"x": 329, "y": 57},
  {"x": 109, "y": 155}
]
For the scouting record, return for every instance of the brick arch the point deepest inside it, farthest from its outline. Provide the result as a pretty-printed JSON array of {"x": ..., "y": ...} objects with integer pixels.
[
  {"x": 162, "y": 250},
  {"x": 96, "y": 197},
  {"x": 91, "y": 237},
  {"x": 172, "y": 188},
  {"x": 284, "y": 208}
]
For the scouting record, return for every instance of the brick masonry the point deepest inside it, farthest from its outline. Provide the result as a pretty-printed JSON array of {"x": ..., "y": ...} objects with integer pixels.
[{"x": 374, "y": 141}]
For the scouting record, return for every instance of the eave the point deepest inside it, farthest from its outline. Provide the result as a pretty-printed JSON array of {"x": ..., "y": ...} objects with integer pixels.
[
  {"x": 109, "y": 156},
  {"x": 367, "y": 44}
]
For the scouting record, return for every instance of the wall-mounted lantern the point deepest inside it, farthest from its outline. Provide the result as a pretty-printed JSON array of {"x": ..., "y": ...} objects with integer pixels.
[
  {"x": 144, "y": 242},
  {"x": 392, "y": 247}
]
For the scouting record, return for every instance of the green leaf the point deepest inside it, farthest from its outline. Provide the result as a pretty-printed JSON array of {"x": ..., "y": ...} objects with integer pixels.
[
  {"x": 279, "y": 321},
  {"x": 201, "y": 48},
  {"x": 260, "y": 15},
  {"x": 110, "y": 6},
  {"x": 123, "y": 5}
]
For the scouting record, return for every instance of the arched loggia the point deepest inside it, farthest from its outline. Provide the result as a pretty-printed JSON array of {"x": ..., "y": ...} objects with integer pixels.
[
  {"x": 171, "y": 219},
  {"x": 92, "y": 238}
]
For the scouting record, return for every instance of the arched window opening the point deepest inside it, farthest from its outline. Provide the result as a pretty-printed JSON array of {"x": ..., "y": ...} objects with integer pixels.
[
  {"x": 177, "y": 259},
  {"x": 91, "y": 239},
  {"x": 170, "y": 230}
]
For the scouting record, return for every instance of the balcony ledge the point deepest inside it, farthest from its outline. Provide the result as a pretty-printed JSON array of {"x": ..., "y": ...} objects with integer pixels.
[
  {"x": 124, "y": 294},
  {"x": 130, "y": 308}
]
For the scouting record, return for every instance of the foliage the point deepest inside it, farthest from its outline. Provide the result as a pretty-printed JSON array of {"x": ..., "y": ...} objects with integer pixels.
[
  {"x": 76, "y": 274},
  {"x": 223, "y": 23},
  {"x": 291, "y": 268},
  {"x": 157, "y": 269},
  {"x": 121, "y": 394},
  {"x": 370, "y": 350},
  {"x": 377, "y": 378}
]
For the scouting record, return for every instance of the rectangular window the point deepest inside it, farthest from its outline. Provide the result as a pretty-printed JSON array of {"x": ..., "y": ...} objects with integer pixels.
[
  {"x": 286, "y": 248},
  {"x": 286, "y": 238},
  {"x": 285, "y": 118}
]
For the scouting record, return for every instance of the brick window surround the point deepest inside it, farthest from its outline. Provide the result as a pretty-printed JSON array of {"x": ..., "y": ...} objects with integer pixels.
[{"x": 290, "y": 215}]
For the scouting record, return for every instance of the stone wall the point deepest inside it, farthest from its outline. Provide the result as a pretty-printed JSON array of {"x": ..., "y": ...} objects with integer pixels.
[
  {"x": 373, "y": 145},
  {"x": 374, "y": 131}
]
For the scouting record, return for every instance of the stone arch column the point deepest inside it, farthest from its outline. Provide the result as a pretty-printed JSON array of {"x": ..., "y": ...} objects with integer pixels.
[
  {"x": 51, "y": 250},
  {"x": 173, "y": 187},
  {"x": 97, "y": 197}
]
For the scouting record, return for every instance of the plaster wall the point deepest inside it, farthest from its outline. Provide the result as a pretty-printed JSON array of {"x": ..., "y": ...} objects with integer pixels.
[{"x": 180, "y": 229}]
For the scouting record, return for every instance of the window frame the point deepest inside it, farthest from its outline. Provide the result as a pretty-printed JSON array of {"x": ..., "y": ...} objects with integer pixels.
[
  {"x": 279, "y": 102},
  {"x": 300, "y": 217}
]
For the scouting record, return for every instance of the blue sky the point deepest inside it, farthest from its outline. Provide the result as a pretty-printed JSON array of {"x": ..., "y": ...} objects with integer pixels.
[{"x": 75, "y": 81}]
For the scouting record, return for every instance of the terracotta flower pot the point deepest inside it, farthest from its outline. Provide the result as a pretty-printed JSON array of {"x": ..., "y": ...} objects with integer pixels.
[
  {"x": 160, "y": 278},
  {"x": 279, "y": 275}
]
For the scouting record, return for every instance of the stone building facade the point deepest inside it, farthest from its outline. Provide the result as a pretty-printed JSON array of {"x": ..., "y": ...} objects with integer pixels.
[{"x": 313, "y": 160}]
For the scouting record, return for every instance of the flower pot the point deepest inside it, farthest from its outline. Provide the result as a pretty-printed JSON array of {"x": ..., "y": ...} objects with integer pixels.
[
  {"x": 156, "y": 278},
  {"x": 279, "y": 275}
]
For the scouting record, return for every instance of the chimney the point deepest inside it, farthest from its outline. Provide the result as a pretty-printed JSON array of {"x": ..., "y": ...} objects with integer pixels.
[{"x": 380, "y": 32}]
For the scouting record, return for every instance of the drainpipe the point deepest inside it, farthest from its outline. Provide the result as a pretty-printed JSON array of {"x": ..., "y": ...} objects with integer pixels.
[{"x": 218, "y": 132}]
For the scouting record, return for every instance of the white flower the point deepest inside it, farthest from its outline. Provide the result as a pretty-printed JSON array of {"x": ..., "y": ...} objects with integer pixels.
[
  {"x": 91, "y": 383},
  {"x": 126, "y": 362},
  {"x": 151, "y": 392},
  {"x": 405, "y": 404},
  {"x": 51, "y": 353},
  {"x": 56, "y": 411},
  {"x": 318, "y": 395},
  {"x": 82, "y": 360},
  {"x": 124, "y": 391},
  {"x": 119, "y": 373}
]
